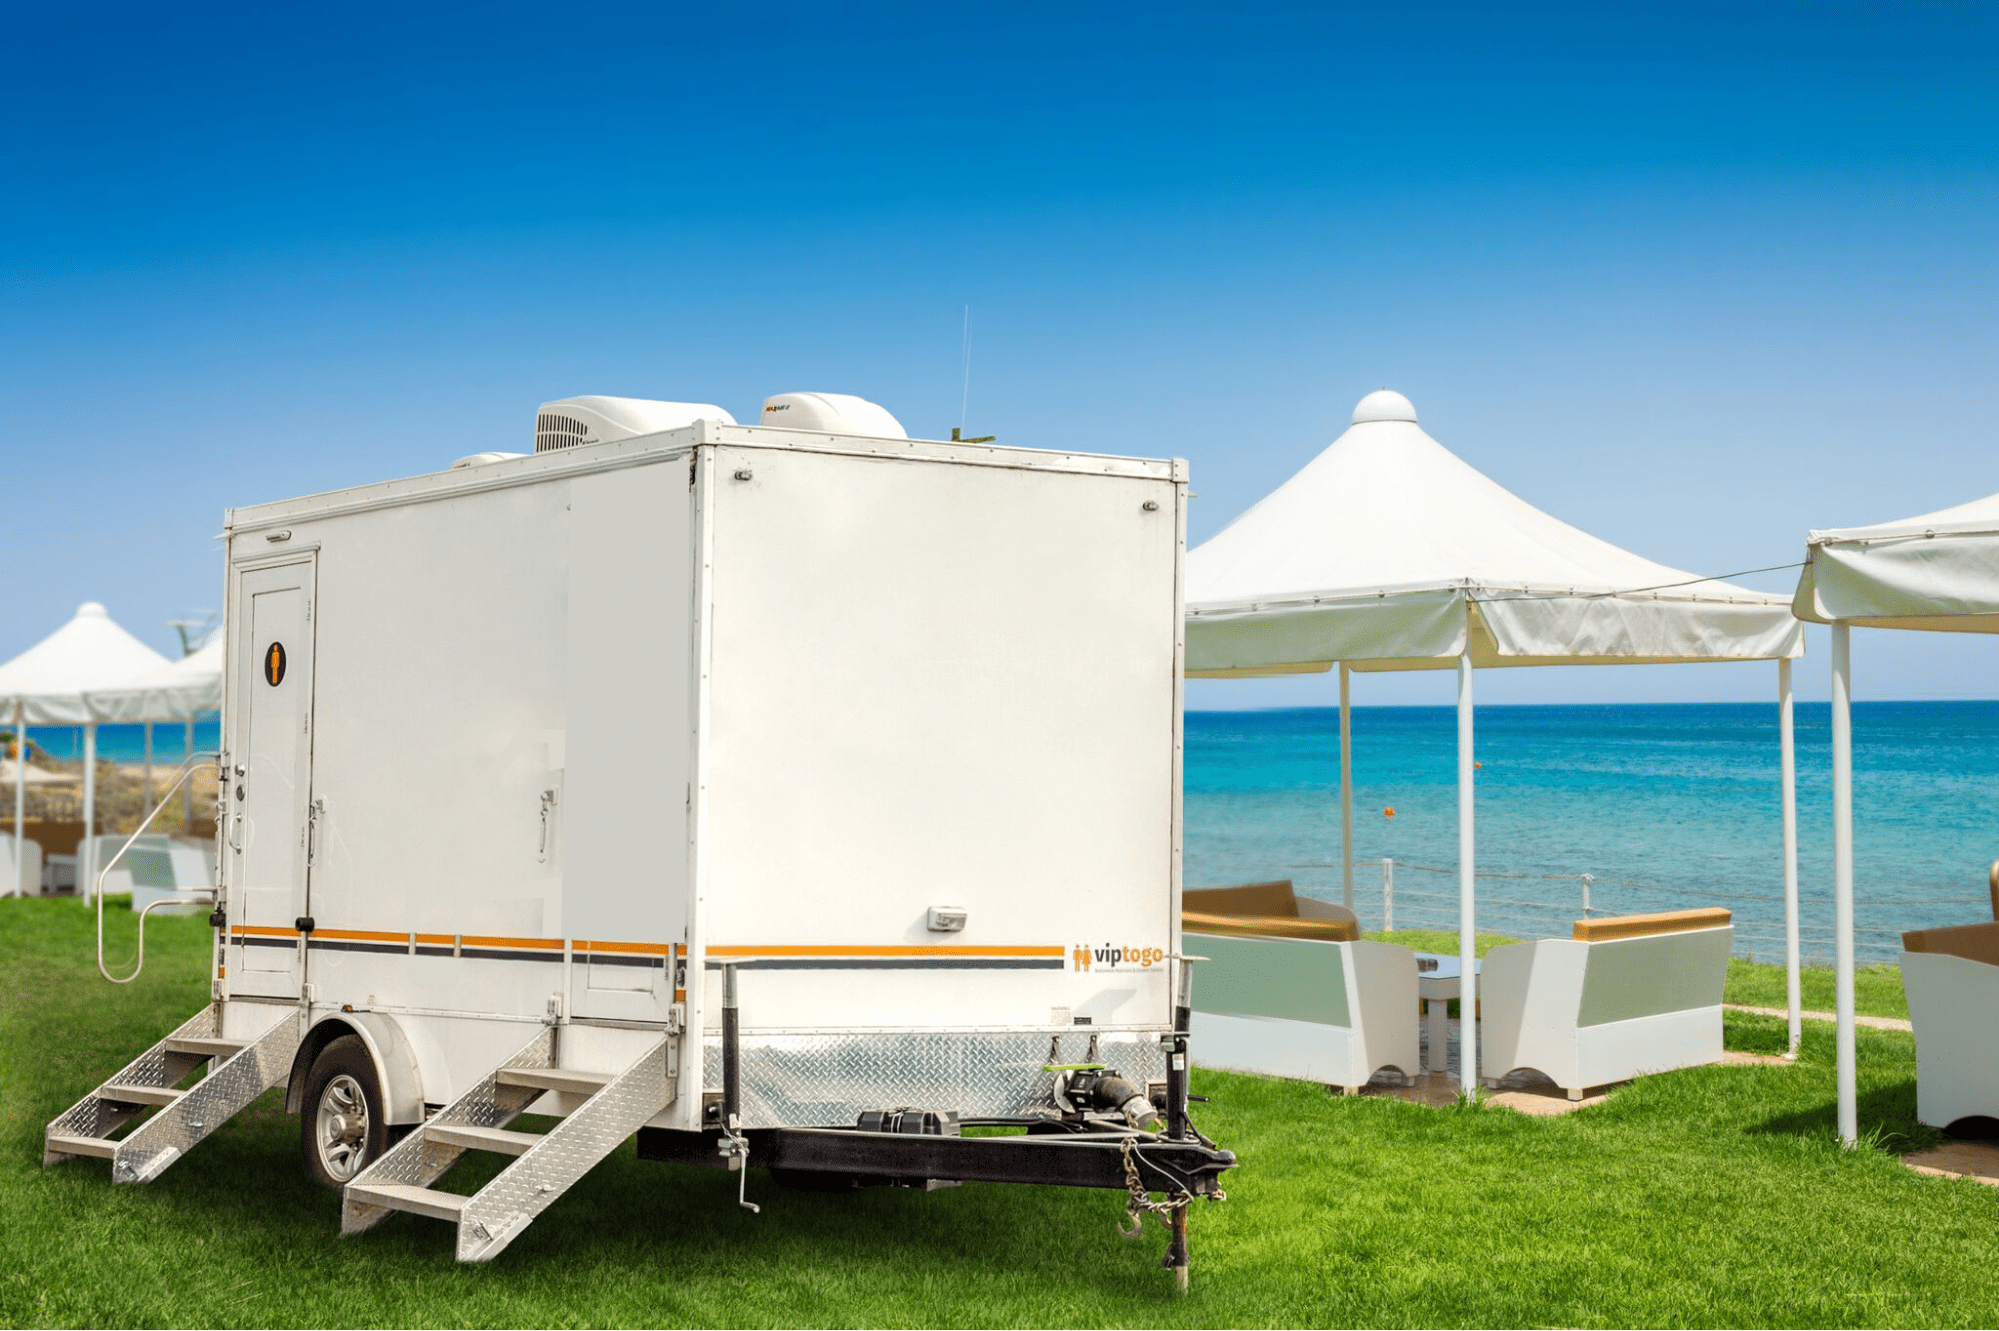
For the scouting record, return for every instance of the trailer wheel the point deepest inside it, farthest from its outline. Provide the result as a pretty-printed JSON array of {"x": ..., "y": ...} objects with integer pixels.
[{"x": 342, "y": 1128}]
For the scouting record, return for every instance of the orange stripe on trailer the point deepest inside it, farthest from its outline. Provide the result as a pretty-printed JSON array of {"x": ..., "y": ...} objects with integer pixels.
[
  {"x": 905, "y": 950},
  {"x": 547, "y": 944},
  {"x": 434, "y": 940},
  {"x": 361, "y": 935},
  {"x": 635, "y": 949},
  {"x": 264, "y": 930}
]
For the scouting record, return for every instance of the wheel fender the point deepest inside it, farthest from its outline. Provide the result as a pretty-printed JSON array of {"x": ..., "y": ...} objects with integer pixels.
[{"x": 395, "y": 1064}]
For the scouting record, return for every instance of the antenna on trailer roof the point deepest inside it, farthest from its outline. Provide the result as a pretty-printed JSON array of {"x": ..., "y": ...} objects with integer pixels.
[{"x": 965, "y": 398}]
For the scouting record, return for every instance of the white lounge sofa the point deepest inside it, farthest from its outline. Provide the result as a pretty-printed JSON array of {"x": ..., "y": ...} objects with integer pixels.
[
  {"x": 1290, "y": 989},
  {"x": 1952, "y": 978},
  {"x": 12, "y": 881},
  {"x": 1627, "y": 995},
  {"x": 156, "y": 867}
]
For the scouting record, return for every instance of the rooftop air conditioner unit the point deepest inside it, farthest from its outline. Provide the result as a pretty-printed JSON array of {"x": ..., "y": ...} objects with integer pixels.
[
  {"x": 831, "y": 413},
  {"x": 596, "y": 420}
]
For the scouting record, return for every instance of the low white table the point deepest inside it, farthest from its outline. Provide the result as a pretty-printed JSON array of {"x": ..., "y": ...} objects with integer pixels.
[{"x": 1436, "y": 986}]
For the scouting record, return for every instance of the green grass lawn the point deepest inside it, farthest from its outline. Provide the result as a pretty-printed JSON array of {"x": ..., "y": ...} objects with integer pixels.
[{"x": 1709, "y": 1197}]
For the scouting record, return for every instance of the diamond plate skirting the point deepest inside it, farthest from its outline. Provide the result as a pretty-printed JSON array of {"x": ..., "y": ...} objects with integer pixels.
[{"x": 816, "y": 1079}]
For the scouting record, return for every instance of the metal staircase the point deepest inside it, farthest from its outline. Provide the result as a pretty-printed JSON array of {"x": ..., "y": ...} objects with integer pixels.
[
  {"x": 614, "y": 1106},
  {"x": 239, "y": 1070}
]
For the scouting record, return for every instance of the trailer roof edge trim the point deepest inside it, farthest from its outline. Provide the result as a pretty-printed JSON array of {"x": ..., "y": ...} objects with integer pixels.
[{"x": 645, "y": 450}]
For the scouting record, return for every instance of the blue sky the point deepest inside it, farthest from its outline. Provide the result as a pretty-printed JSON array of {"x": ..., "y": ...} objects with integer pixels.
[{"x": 1697, "y": 277}]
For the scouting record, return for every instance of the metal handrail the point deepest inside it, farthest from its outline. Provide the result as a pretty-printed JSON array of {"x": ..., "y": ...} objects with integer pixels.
[{"x": 187, "y": 769}]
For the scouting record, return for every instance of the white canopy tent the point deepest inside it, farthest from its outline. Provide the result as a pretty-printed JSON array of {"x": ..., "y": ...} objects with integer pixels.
[
  {"x": 45, "y": 685},
  {"x": 1938, "y": 572},
  {"x": 1388, "y": 552},
  {"x": 178, "y": 691}
]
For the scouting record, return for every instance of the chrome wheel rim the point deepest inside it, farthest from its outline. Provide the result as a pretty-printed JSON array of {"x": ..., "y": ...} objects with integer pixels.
[{"x": 341, "y": 1129}]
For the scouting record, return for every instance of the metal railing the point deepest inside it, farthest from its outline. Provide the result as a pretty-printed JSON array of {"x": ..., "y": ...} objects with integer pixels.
[{"x": 187, "y": 770}]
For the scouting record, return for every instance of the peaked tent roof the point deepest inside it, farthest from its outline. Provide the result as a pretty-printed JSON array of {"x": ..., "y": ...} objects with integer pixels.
[
  {"x": 1388, "y": 552},
  {"x": 167, "y": 692},
  {"x": 49, "y": 679},
  {"x": 1939, "y": 571}
]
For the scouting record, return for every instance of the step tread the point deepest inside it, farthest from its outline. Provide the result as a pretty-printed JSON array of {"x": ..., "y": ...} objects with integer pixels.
[
  {"x": 101, "y": 1147},
  {"x": 125, "y": 1093},
  {"x": 572, "y": 1080},
  {"x": 503, "y": 1140},
  {"x": 406, "y": 1197},
  {"x": 211, "y": 1048}
]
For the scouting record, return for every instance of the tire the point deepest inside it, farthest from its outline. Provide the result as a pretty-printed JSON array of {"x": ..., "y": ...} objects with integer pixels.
[{"x": 341, "y": 1128}]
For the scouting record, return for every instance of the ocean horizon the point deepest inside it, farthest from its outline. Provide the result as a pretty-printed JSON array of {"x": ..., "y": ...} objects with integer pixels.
[{"x": 1665, "y": 805}]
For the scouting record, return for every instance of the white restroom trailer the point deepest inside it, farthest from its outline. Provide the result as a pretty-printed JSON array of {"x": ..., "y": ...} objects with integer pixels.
[{"x": 787, "y": 794}]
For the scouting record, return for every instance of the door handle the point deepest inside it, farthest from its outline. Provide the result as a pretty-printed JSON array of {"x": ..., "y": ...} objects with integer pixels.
[
  {"x": 236, "y": 833},
  {"x": 312, "y": 814}
]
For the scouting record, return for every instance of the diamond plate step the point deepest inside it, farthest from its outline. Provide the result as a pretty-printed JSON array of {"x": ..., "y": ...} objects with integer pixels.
[
  {"x": 102, "y": 1147},
  {"x": 548, "y": 1164},
  {"x": 238, "y": 1072},
  {"x": 402, "y": 1197},
  {"x": 484, "y": 1139},
  {"x": 568, "y": 1080},
  {"x": 139, "y": 1095}
]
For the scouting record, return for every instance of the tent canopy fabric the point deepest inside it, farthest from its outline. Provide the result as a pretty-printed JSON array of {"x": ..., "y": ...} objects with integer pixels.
[
  {"x": 168, "y": 692},
  {"x": 1939, "y": 571},
  {"x": 49, "y": 680},
  {"x": 1388, "y": 552}
]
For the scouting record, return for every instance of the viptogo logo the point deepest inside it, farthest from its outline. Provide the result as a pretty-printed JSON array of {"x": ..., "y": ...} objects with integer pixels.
[{"x": 1111, "y": 957}]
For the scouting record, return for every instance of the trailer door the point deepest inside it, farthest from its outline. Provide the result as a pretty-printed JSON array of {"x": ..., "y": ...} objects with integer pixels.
[{"x": 270, "y": 746}]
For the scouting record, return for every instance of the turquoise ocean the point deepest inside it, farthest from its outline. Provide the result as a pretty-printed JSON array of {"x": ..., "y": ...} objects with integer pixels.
[{"x": 1665, "y": 806}]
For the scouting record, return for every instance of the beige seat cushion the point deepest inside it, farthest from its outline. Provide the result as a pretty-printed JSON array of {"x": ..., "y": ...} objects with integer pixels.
[
  {"x": 1974, "y": 942},
  {"x": 1263, "y": 900},
  {"x": 1639, "y": 926},
  {"x": 1270, "y": 926}
]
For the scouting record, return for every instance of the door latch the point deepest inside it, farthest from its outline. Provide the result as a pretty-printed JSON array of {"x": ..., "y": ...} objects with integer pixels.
[
  {"x": 312, "y": 815},
  {"x": 547, "y": 813}
]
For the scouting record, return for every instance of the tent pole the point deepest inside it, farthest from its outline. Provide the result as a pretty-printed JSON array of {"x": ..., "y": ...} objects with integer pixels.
[
  {"x": 146, "y": 804},
  {"x": 1787, "y": 742},
  {"x": 86, "y": 851},
  {"x": 1467, "y": 950},
  {"x": 1346, "y": 790},
  {"x": 20, "y": 798},
  {"x": 1842, "y": 878},
  {"x": 187, "y": 788}
]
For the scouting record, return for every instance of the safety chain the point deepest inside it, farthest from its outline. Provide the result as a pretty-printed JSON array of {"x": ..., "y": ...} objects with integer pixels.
[{"x": 1139, "y": 1204}]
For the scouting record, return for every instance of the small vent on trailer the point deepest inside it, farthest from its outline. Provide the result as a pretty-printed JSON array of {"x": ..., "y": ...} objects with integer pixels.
[{"x": 552, "y": 431}]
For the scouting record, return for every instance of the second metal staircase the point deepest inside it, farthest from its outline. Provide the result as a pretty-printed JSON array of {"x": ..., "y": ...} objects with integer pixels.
[{"x": 615, "y": 1106}]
